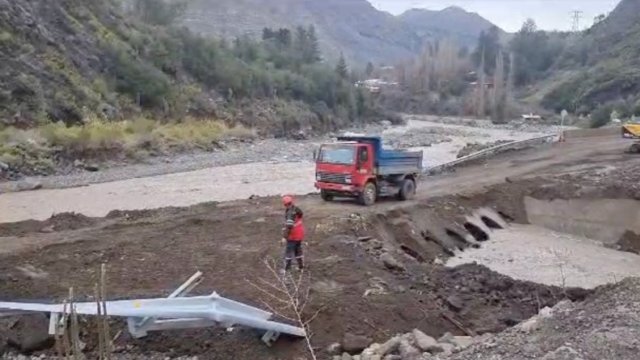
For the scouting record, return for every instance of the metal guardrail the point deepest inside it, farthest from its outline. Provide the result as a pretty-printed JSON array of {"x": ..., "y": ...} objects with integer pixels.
[{"x": 514, "y": 145}]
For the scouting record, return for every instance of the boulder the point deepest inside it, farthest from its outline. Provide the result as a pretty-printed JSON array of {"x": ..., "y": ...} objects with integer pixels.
[
  {"x": 389, "y": 346},
  {"x": 30, "y": 333},
  {"x": 426, "y": 342},
  {"x": 346, "y": 356},
  {"x": 354, "y": 344},
  {"x": 447, "y": 337},
  {"x": 455, "y": 303},
  {"x": 334, "y": 349},
  {"x": 462, "y": 342},
  {"x": 408, "y": 351},
  {"x": 393, "y": 357},
  {"x": 391, "y": 263},
  {"x": 447, "y": 348}
]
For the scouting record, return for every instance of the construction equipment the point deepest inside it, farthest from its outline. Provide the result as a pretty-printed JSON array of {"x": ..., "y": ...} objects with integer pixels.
[
  {"x": 358, "y": 166},
  {"x": 632, "y": 131},
  {"x": 175, "y": 312}
]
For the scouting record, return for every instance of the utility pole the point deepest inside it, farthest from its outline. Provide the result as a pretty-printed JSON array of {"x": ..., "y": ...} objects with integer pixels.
[{"x": 576, "y": 16}]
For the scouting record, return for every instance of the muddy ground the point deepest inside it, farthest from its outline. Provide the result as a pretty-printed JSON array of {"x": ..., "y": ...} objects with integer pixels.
[{"x": 150, "y": 252}]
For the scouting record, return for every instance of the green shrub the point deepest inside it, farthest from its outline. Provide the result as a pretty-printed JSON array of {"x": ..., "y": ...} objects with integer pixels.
[{"x": 601, "y": 116}]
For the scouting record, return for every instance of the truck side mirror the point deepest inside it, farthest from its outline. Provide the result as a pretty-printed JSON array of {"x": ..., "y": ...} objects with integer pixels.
[{"x": 315, "y": 155}]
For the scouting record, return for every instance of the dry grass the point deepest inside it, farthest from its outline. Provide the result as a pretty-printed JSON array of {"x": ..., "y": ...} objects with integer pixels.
[{"x": 101, "y": 138}]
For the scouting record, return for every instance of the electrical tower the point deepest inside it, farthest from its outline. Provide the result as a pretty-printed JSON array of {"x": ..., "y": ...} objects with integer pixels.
[{"x": 576, "y": 15}]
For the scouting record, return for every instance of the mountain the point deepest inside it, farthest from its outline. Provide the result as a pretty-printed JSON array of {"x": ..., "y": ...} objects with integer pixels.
[
  {"x": 454, "y": 22},
  {"x": 604, "y": 63},
  {"x": 352, "y": 27}
]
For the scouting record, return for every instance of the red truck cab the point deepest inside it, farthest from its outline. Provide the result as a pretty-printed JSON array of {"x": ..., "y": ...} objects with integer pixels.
[{"x": 359, "y": 167}]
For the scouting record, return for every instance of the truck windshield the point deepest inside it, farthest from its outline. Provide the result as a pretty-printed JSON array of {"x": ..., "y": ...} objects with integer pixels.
[{"x": 344, "y": 155}]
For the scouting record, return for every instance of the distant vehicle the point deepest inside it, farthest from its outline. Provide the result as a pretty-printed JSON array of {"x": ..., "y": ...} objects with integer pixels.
[
  {"x": 632, "y": 131},
  {"x": 358, "y": 167}
]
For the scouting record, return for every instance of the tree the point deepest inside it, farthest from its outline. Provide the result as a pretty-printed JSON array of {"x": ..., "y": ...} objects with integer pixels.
[
  {"x": 369, "y": 69},
  {"x": 312, "y": 49},
  {"x": 481, "y": 84},
  {"x": 499, "y": 103},
  {"x": 488, "y": 47},
  {"x": 341, "y": 68},
  {"x": 159, "y": 12}
]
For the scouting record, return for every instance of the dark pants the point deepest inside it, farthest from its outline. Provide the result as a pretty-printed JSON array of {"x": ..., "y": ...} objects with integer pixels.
[{"x": 293, "y": 250}]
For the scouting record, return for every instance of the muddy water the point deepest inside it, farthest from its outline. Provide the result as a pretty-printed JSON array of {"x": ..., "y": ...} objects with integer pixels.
[
  {"x": 529, "y": 252},
  {"x": 221, "y": 183}
]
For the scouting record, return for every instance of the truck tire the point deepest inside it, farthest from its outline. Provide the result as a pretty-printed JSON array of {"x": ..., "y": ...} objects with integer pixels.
[
  {"x": 407, "y": 190},
  {"x": 368, "y": 195},
  {"x": 325, "y": 195}
]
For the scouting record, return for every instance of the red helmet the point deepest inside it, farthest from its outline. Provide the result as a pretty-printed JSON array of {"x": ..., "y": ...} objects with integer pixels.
[{"x": 287, "y": 200}]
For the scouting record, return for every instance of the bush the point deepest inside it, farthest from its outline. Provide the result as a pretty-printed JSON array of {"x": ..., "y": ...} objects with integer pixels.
[{"x": 601, "y": 116}]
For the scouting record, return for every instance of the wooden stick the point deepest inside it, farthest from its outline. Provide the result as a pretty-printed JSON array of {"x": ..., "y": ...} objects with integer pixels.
[
  {"x": 105, "y": 319},
  {"x": 459, "y": 325},
  {"x": 75, "y": 332},
  {"x": 99, "y": 322},
  {"x": 65, "y": 335}
]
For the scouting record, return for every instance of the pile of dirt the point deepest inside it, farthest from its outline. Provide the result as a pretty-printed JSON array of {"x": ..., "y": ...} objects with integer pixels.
[
  {"x": 58, "y": 222},
  {"x": 605, "y": 326},
  {"x": 487, "y": 302},
  {"x": 630, "y": 242}
]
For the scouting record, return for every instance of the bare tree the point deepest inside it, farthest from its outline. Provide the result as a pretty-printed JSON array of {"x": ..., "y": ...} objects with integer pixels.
[
  {"x": 481, "y": 85},
  {"x": 498, "y": 101},
  {"x": 287, "y": 296}
]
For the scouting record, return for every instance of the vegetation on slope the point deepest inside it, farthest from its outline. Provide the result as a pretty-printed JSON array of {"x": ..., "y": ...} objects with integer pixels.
[{"x": 87, "y": 63}]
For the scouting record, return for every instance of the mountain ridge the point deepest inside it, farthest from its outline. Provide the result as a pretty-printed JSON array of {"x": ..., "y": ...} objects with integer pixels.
[{"x": 354, "y": 28}]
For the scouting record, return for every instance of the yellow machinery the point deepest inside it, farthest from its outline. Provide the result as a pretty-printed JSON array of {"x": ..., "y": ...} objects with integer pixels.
[{"x": 632, "y": 131}]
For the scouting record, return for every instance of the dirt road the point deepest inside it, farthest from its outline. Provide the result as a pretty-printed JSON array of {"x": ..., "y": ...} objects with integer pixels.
[{"x": 150, "y": 252}]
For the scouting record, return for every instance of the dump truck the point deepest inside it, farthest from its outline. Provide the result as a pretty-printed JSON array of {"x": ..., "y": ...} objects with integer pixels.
[
  {"x": 632, "y": 131},
  {"x": 359, "y": 167}
]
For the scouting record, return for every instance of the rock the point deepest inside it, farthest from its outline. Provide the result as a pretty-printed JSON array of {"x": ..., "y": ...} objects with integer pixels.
[
  {"x": 29, "y": 185},
  {"x": 390, "y": 346},
  {"x": 447, "y": 337},
  {"x": 346, "y": 356},
  {"x": 334, "y": 349},
  {"x": 354, "y": 344},
  {"x": 462, "y": 342},
  {"x": 391, "y": 263},
  {"x": 425, "y": 342},
  {"x": 364, "y": 238},
  {"x": 92, "y": 168},
  {"x": 455, "y": 303},
  {"x": 48, "y": 229},
  {"x": 31, "y": 333},
  {"x": 447, "y": 348},
  {"x": 78, "y": 163},
  {"x": 393, "y": 357},
  {"x": 408, "y": 352}
]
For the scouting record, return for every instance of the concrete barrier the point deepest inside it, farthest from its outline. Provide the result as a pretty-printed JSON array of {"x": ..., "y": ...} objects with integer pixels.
[
  {"x": 492, "y": 151},
  {"x": 582, "y": 133}
]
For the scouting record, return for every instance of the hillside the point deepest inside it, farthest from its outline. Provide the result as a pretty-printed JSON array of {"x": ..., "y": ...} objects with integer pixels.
[
  {"x": 606, "y": 63},
  {"x": 453, "y": 22},
  {"x": 353, "y": 27},
  {"x": 83, "y": 79}
]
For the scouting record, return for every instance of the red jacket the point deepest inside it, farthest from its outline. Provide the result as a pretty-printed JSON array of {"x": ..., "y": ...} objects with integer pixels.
[{"x": 294, "y": 228}]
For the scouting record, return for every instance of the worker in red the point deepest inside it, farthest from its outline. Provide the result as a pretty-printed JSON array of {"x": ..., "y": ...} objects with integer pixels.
[{"x": 292, "y": 233}]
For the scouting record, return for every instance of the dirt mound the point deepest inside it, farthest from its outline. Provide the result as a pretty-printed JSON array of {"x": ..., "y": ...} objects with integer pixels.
[
  {"x": 490, "y": 302},
  {"x": 605, "y": 326},
  {"x": 471, "y": 148},
  {"x": 58, "y": 222},
  {"x": 630, "y": 242}
]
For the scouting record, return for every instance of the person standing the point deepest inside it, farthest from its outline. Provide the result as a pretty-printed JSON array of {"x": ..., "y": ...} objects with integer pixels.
[{"x": 292, "y": 233}]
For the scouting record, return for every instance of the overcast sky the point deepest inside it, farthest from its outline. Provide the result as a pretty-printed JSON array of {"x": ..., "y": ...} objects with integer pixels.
[{"x": 510, "y": 14}]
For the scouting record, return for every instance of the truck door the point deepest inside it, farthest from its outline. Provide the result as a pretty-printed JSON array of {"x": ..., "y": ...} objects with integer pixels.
[{"x": 365, "y": 161}]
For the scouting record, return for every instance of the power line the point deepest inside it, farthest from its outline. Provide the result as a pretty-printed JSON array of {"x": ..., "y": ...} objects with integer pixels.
[{"x": 576, "y": 16}]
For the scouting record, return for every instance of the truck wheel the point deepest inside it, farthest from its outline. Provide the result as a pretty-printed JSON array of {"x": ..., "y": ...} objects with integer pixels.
[
  {"x": 407, "y": 190},
  {"x": 635, "y": 149},
  {"x": 369, "y": 194},
  {"x": 325, "y": 195}
]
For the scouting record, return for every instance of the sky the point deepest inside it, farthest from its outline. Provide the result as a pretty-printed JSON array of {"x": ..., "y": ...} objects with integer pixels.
[{"x": 510, "y": 14}]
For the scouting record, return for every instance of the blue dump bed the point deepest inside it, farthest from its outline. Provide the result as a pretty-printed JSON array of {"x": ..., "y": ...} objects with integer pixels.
[{"x": 390, "y": 162}]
